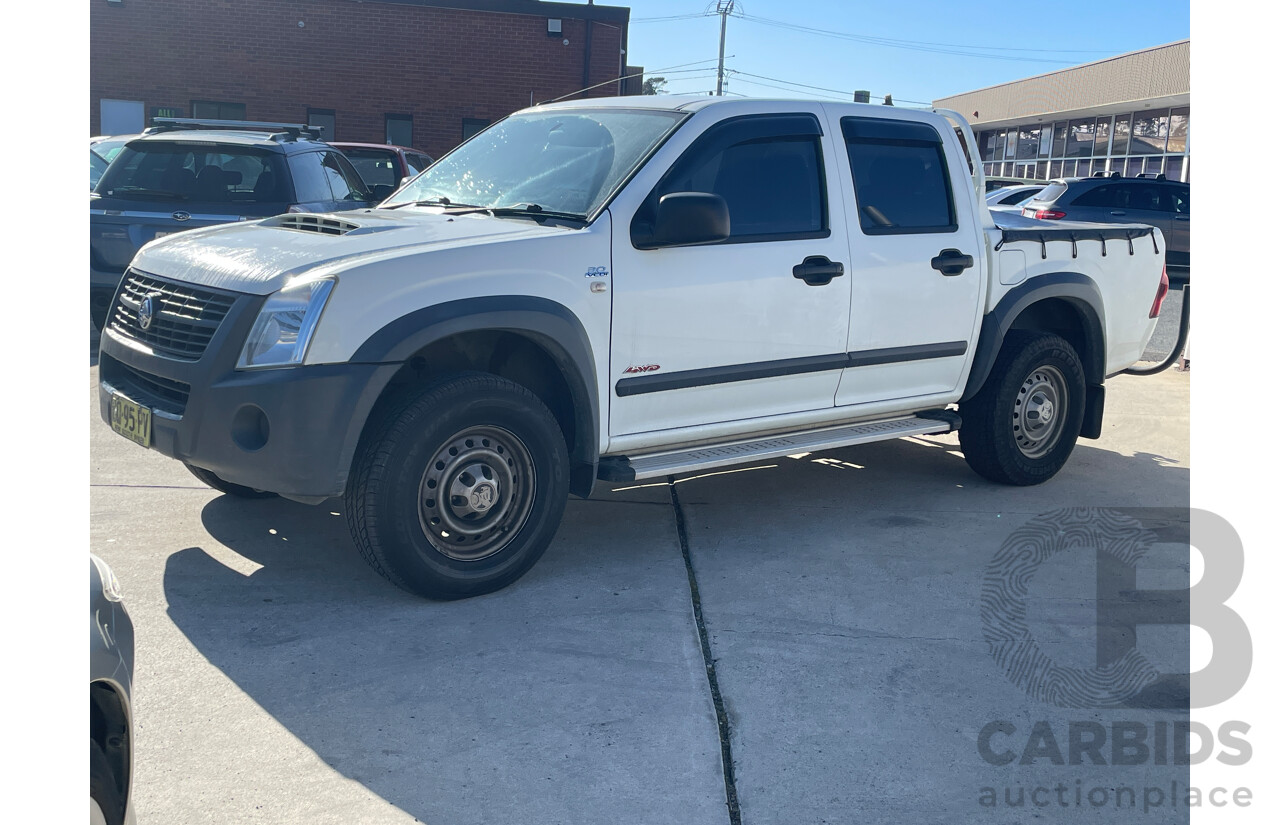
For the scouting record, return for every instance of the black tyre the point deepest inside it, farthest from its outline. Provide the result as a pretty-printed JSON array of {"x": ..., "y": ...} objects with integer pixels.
[
  {"x": 1023, "y": 424},
  {"x": 237, "y": 490},
  {"x": 458, "y": 487},
  {"x": 106, "y": 806}
]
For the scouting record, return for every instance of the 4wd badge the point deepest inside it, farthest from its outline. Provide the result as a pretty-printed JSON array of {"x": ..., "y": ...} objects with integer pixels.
[{"x": 645, "y": 368}]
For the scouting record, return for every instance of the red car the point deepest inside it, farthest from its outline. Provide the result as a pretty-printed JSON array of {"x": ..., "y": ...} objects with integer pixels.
[{"x": 383, "y": 165}]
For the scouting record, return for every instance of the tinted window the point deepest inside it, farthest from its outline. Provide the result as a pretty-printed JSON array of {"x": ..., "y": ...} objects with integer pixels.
[
  {"x": 772, "y": 184},
  {"x": 186, "y": 172},
  {"x": 376, "y": 166},
  {"x": 344, "y": 180},
  {"x": 1182, "y": 199},
  {"x": 899, "y": 177},
  {"x": 1099, "y": 196},
  {"x": 400, "y": 130},
  {"x": 310, "y": 182}
]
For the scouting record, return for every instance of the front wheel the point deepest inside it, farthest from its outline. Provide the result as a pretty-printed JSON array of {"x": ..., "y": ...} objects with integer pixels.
[
  {"x": 1023, "y": 424},
  {"x": 459, "y": 486}
]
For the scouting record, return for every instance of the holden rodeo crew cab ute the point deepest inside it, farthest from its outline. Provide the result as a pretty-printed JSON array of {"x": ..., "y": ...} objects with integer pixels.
[{"x": 616, "y": 290}]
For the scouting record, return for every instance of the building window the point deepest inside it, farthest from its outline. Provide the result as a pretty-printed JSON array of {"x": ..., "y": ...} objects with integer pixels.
[
  {"x": 1080, "y": 138},
  {"x": 1028, "y": 142},
  {"x": 1120, "y": 142},
  {"x": 400, "y": 130},
  {"x": 216, "y": 110},
  {"x": 1046, "y": 141},
  {"x": 120, "y": 117},
  {"x": 472, "y": 126},
  {"x": 1059, "y": 140},
  {"x": 1102, "y": 138},
  {"x": 1150, "y": 133},
  {"x": 326, "y": 119},
  {"x": 1179, "y": 120}
]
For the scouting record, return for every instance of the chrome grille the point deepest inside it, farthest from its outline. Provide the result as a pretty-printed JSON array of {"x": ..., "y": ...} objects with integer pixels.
[
  {"x": 154, "y": 391},
  {"x": 185, "y": 318}
]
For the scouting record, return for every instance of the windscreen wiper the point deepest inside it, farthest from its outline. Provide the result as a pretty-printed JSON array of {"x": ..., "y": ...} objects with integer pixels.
[
  {"x": 526, "y": 210},
  {"x": 441, "y": 201}
]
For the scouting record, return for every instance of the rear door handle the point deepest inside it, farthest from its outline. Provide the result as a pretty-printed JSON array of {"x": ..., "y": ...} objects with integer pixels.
[
  {"x": 1182, "y": 217},
  {"x": 951, "y": 262},
  {"x": 1117, "y": 213},
  {"x": 817, "y": 270}
]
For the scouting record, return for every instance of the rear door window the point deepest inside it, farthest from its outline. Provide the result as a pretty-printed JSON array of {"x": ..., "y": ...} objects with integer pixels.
[
  {"x": 1181, "y": 196},
  {"x": 310, "y": 182},
  {"x": 900, "y": 176},
  {"x": 1101, "y": 196},
  {"x": 344, "y": 180}
]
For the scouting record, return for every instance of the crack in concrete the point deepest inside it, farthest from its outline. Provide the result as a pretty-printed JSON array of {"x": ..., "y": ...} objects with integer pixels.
[{"x": 722, "y": 717}]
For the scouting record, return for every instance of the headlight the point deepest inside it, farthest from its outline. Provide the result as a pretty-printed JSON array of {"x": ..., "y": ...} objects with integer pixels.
[
  {"x": 280, "y": 336},
  {"x": 110, "y": 584}
]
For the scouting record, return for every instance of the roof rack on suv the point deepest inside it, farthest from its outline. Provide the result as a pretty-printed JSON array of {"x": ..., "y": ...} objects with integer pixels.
[
  {"x": 1106, "y": 174},
  {"x": 280, "y": 131},
  {"x": 1152, "y": 176}
]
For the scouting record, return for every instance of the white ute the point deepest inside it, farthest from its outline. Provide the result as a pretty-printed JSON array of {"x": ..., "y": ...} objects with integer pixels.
[{"x": 622, "y": 289}]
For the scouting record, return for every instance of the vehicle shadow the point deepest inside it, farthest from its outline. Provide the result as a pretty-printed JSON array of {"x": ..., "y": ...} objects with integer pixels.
[{"x": 582, "y": 685}]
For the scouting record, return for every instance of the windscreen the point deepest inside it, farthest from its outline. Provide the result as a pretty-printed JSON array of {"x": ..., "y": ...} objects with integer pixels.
[
  {"x": 212, "y": 173},
  {"x": 564, "y": 161},
  {"x": 376, "y": 167}
]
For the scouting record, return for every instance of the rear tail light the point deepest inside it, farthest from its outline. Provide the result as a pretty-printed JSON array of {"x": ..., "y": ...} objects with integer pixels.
[
  {"x": 1049, "y": 215},
  {"x": 1161, "y": 292}
]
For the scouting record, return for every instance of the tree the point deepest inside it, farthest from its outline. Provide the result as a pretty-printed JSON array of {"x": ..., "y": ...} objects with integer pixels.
[{"x": 654, "y": 86}]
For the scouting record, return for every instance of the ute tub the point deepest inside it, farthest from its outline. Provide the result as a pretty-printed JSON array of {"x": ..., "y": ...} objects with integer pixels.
[{"x": 1015, "y": 228}]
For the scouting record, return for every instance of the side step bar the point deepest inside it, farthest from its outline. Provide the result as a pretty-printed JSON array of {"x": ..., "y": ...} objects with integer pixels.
[{"x": 652, "y": 465}]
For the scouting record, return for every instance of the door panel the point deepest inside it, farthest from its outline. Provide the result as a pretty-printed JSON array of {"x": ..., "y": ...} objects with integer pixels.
[
  {"x": 911, "y": 325},
  {"x": 712, "y": 333}
]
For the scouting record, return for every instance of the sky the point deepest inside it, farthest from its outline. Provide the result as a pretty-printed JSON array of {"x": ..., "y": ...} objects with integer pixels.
[{"x": 952, "y": 46}]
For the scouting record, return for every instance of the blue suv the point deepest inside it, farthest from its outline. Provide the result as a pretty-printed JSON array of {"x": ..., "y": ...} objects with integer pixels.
[{"x": 182, "y": 174}]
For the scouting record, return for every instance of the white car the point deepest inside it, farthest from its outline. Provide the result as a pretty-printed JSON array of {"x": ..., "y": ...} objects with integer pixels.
[
  {"x": 1010, "y": 198},
  {"x": 614, "y": 290}
]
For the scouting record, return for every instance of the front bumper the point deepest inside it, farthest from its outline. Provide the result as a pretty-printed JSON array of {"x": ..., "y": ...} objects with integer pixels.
[{"x": 291, "y": 431}]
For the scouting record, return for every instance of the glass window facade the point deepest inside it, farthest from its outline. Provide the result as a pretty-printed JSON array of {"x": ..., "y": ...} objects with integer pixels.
[{"x": 1150, "y": 142}]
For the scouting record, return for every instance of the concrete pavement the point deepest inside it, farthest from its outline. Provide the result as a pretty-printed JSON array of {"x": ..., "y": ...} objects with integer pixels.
[{"x": 279, "y": 680}]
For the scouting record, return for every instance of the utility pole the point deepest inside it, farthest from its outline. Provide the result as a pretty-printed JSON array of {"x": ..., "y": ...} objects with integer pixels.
[{"x": 724, "y": 8}]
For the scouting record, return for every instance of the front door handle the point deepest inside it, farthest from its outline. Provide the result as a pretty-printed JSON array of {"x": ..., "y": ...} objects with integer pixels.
[
  {"x": 1182, "y": 217},
  {"x": 1117, "y": 213},
  {"x": 951, "y": 262},
  {"x": 817, "y": 270}
]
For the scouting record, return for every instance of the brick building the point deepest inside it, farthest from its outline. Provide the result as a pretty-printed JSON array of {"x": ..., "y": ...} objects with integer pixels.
[{"x": 424, "y": 73}]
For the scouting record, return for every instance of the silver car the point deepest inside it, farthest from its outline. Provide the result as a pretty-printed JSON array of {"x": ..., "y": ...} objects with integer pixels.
[{"x": 110, "y": 708}]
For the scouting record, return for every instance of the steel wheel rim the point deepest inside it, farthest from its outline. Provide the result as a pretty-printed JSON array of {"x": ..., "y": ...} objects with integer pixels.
[
  {"x": 1040, "y": 411},
  {"x": 476, "y": 493}
]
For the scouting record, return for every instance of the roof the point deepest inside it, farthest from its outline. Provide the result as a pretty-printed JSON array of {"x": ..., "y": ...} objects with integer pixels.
[{"x": 343, "y": 144}]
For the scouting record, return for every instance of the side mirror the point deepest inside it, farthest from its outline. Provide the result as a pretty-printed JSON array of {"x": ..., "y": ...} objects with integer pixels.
[
  {"x": 381, "y": 191},
  {"x": 684, "y": 219}
]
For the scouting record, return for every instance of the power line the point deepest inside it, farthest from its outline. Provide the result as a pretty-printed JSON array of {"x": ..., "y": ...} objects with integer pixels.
[
  {"x": 669, "y": 17},
  {"x": 789, "y": 83},
  {"x": 920, "y": 46}
]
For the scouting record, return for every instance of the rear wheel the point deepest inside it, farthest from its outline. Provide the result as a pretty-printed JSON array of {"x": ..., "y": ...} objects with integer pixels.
[
  {"x": 459, "y": 487},
  {"x": 237, "y": 490},
  {"x": 1023, "y": 424}
]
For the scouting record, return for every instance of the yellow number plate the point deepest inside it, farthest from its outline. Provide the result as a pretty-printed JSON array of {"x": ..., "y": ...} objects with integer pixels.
[{"x": 133, "y": 421}]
